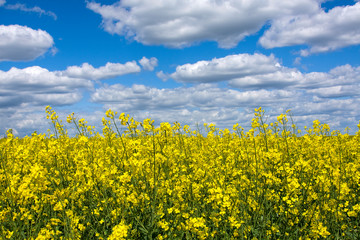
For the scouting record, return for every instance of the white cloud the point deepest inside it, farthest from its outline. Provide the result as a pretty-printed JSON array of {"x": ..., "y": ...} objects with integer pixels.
[
  {"x": 181, "y": 23},
  {"x": 282, "y": 78},
  {"x": 336, "y": 91},
  {"x": 226, "y": 68},
  {"x": 24, "y": 93},
  {"x": 24, "y": 8},
  {"x": 163, "y": 76},
  {"x": 20, "y": 43},
  {"x": 207, "y": 96},
  {"x": 58, "y": 99},
  {"x": 148, "y": 64},
  {"x": 110, "y": 70},
  {"x": 339, "y": 108},
  {"x": 23, "y": 121},
  {"x": 342, "y": 81},
  {"x": 36, "y": 86},
  {"x": 2, "y": 2},
  {"x": 323, "y": 31},
  {"x": 210, "y": 103},
  {"x": 345, "y": 75},
  {"x": 190, "y": 105},
  {"x": 38, "y": 78},
  {"x": 244, "y": 71},
  {"x": 332, "y": 99}
]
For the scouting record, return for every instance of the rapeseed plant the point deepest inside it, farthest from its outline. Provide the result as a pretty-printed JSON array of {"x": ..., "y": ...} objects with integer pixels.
[{"x": 169, "y": 182}]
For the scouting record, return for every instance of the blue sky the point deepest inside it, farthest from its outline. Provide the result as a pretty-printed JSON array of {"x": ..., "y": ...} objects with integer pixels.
[{"x": 202, "y": 61}]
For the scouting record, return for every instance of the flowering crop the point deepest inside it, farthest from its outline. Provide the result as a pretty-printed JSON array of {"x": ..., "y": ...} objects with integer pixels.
[{"x": 169, "y": 182}]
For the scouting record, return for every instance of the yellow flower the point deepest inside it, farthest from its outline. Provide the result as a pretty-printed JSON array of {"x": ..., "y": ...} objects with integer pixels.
[{"x": 119, "y": 232}]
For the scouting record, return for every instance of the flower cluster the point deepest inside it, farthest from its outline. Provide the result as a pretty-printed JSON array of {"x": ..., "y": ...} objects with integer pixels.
[{"x": 169, "y": 182}]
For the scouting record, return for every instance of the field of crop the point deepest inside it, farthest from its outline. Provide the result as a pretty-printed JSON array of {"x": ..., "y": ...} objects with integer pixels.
[{"x": 169, "y": 182}]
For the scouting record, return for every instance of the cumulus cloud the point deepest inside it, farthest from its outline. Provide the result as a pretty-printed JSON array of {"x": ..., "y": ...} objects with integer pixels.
[
  {"x": 110, "y": 70},
  {"x": 342, "y": 81},
  {"x": 25, "y": 92},
  {"x": 181, "y": 23},
  {"x": 331, "y": 97},
  {"x": 226, "y": 68},
  {"x": 148, "y": 64},
  {"x": 21, "y": 43},
  {"x": 345, "y": 75},
  {"x": 281, "y": 78},
  {"x": 339, "y": 82},
  {"x": 24, "y": 8},
  {"x": 36, "y": 77},
  {"x": 36, "y": 85},
  {"x": 323, "y": 31},
  {"x": 257, "y": 71}
]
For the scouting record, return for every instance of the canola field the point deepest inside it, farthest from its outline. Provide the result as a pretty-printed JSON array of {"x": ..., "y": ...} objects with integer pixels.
[{"x": 170, "y": 182}]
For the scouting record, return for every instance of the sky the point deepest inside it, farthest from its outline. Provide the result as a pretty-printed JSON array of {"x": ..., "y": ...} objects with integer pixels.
[{"x": 194, "y": 62}]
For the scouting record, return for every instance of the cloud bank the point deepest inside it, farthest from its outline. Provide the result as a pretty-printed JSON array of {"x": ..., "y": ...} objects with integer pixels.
[
  {"x": 184, "y": 23},
  {"x": 327, "y": 96},
  {"x": 181, "y": 23},
  {"x": 36, "y": 86},
  {"x": 224, "y": 107}
]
